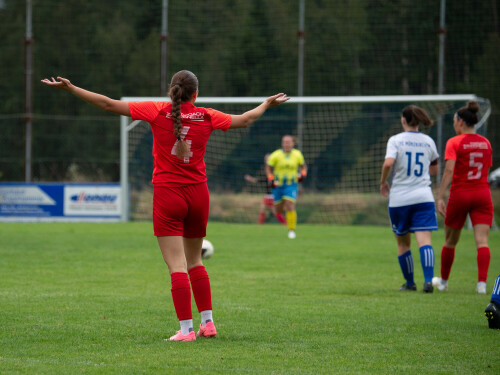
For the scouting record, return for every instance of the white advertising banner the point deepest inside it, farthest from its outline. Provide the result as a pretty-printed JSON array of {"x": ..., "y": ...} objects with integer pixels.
[{"x": 92, "y": 200}]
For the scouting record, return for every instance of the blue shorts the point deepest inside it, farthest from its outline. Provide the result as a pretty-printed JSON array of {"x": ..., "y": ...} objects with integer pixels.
[
  {"x": 288, "y": 192},
  {"x": 418, "y": 217}
]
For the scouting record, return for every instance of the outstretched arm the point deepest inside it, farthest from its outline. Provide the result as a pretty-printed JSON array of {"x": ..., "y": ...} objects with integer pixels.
[
  {"x": 242, "y": 121},
  {"x": 100, "y": 101},
  {"x": 250, "y": 179}
]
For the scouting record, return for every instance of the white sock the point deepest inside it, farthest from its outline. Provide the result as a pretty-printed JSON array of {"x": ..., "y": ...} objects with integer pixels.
[
  {"x": 186, "y": 326},
  {"x": 206, "y": 316}
]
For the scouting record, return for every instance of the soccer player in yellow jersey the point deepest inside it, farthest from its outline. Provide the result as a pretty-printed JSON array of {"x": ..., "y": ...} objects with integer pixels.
[{"x": 283, "y": 175}]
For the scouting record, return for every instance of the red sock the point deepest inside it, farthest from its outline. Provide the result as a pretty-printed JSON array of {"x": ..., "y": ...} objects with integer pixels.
[
  {"x": 201, "y": 288},
  {"x": 281, "y": 218},
  {"x": 483, "y": 263},
  {"x": 262, "y": 218},
  {"x": 447, "y": 257},
  {"x": 181, "y": 294}
]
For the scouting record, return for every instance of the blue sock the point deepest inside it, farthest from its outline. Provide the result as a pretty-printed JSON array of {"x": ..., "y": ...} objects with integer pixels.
[
  {"x": 406, "y": 264},
  {"x": 427, "y": 260},
  {"x": 495, "y": 296}
]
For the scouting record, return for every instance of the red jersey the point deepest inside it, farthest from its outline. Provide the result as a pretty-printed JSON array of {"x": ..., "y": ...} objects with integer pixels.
[
  {"x": 197, "y": 125},
  {"x": 473, "y": 156}
]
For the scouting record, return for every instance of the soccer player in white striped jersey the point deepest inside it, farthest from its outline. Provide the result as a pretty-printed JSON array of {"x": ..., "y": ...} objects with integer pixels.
[{"x": 414, "y": 158}]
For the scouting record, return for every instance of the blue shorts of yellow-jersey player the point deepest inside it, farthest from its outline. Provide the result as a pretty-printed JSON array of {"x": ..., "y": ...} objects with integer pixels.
[
  {"x": 413, "y": 218},
  {"x": 285, "y": 192}
]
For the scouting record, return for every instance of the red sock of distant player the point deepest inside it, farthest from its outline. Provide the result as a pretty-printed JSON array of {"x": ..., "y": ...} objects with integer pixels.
[
  {"x": 483, "y": 263},
  {"x": 262, "y": 218},
  {"x": 281, "y": 218},
  {"x": 200, "y": 284},
  {"x": 181, "y": 294},
  {"x": 447, "y": 257}
]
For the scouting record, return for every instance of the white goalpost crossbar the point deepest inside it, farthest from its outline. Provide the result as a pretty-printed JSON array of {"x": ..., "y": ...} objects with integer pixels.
[{"x": 319, "y": 99}]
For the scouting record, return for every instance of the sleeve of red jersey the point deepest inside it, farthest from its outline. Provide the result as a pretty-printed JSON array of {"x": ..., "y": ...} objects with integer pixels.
[
  {"x": 450, "y": 152},
  {"x": 491, "y": 154},
  {"x": 145, "y": 110},
  {"x": 220, "y": 120}
]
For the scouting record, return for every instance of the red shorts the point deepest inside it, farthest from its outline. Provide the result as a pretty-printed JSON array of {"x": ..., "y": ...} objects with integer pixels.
[
  {"x": 181, "y": 211},
  {"x": 268, "y": 200},
  {"x": 476, "y": 203}
]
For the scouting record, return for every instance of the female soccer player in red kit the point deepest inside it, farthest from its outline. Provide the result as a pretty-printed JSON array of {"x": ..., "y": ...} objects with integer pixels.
[
  {"x": 468, "y": 158},
  {"x": 180, "y": 198}
]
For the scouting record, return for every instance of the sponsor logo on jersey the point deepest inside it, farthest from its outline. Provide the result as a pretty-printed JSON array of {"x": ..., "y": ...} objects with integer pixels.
[
  {"x": 476, "y": 145},
  {"x": 194, "y": 116}
]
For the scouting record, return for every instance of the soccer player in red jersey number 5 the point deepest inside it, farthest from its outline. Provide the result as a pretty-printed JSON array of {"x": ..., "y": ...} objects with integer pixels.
[
  {"x": 180, "y": 198},
  {"x": 468, "y": 159}
]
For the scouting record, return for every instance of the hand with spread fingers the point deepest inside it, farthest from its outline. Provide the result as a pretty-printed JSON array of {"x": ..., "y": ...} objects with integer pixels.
[{"x": 61, "y": 83}]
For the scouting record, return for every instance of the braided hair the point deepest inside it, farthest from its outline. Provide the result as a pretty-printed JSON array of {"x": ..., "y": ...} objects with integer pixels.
[{"x": 183, "y": 86}]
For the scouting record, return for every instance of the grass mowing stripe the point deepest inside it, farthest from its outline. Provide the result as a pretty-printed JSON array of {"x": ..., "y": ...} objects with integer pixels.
[{"x": 94, "y": 298}]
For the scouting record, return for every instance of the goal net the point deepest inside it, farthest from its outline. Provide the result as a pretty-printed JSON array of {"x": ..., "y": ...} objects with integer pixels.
[{"x": 343, "y": 140}]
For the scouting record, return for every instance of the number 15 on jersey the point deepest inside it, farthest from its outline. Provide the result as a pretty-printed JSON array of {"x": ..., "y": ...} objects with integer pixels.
[{"x": 419, "y": 167}]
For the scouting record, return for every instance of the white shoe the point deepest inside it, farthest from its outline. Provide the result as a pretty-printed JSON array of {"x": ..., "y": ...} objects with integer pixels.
[
  {"x": 481, "y": 287},
  {"x": 440, "y": 284},
  {"x": 291, "y": 234}
]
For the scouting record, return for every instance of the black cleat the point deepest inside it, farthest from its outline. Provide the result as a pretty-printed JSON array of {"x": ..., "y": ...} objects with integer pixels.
[
  {"x": 405, "y": 287},
  {"x": 428, "y": 288},
  {"x": 492, "y": 313}
]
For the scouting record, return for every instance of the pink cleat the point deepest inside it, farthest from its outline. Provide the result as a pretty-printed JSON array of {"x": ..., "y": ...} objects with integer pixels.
[
  {"x": 207, "y": 331},
  {"x": 180, "y": 337}
]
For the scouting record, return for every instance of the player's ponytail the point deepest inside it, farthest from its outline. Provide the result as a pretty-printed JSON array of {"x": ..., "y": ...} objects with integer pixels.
[
  {"x": 182, "y": 148},
  {"x": 415, "y": 116},
  {"x": 183, "y": 86},
  {"x": 468, "y": 113}
]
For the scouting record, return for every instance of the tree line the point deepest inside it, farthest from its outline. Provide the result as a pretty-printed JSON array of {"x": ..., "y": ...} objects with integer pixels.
[{"x": 236, "y": 48}]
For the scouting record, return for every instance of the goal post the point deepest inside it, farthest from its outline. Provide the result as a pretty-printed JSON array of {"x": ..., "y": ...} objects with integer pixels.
[{"x": 343, "y": 142}]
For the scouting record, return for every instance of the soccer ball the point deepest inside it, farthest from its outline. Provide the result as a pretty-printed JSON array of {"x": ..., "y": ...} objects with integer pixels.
[{"x": 207, "y": 249}]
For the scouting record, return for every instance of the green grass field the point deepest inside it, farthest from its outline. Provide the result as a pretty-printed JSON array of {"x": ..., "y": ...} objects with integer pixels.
[{"x": 95, "y": 299}]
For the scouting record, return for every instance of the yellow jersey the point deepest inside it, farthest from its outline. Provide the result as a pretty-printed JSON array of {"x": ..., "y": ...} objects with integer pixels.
[{"x": 285, "y": 165}]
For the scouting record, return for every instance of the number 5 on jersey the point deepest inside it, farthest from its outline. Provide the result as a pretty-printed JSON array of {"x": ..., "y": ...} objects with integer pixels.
[{"x": 475, "y": 164}]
